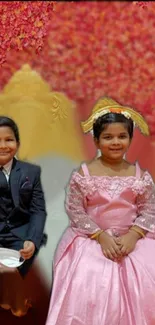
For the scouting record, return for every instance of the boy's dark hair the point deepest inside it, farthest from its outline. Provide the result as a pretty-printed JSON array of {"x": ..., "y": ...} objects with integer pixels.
[{"x": 7, "y": 121}]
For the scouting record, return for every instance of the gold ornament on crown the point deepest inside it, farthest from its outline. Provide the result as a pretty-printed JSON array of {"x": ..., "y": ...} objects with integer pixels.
[{"x": 107, "y": 105}]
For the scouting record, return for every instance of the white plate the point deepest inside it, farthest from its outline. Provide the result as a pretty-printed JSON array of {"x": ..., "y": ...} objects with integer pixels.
[{"x": 10, "y": 257}]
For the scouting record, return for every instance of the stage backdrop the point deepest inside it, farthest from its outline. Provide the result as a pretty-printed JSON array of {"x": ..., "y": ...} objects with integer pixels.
[
  {"x": 93, "y": 49},
  {"x": 51, "y": 137}
]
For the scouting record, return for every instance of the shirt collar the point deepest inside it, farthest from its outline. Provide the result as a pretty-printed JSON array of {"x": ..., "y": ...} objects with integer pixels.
[{"x": 8, "y": 166}]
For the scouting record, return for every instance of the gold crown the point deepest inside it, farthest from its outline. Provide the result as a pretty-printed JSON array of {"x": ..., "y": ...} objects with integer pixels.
[{"x": 107, "y": 105}]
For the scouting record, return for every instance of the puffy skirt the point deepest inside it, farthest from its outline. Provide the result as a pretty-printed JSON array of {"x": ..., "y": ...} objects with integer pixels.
[{"x": 89, "y": 289}]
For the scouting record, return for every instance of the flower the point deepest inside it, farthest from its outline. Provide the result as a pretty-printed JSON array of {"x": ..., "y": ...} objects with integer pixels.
[
  {"x": 116, "y": 110},
  {"x": 111, "y": 110},
  {"x": 99, "y": 114},
  {"x": 142, "y": 4},
  {"x": 126, "y": 114},
  {"x": 23, "y": 24},
  {"x": 92, "y": 50}
]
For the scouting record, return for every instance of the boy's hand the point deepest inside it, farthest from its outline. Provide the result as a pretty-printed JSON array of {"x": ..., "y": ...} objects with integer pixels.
[{"x": 28, "y": 250}]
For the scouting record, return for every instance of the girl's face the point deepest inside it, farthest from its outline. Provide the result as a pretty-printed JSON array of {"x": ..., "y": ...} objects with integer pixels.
[
  {"x": 114, "y": 141},
  {"x": 8, "y": 145}
]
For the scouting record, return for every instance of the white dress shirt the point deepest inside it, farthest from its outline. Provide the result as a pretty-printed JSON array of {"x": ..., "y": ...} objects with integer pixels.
[{"x": 7, "y": 169}]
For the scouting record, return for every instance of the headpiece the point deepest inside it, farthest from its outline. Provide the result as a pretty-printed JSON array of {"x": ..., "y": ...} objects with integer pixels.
[{"x": 107, "y": 105}]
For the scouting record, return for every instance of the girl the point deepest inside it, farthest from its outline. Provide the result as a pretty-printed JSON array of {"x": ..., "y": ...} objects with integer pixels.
[{"x": 104, "y": 272}]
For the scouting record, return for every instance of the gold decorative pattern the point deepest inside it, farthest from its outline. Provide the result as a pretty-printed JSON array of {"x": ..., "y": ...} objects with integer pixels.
[
  {"x": 58, "y": 112},
  {"x": 46, "y": 118}
]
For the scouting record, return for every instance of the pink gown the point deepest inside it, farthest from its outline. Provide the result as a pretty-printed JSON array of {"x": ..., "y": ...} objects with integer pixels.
[{"x": 88, "y": 288}]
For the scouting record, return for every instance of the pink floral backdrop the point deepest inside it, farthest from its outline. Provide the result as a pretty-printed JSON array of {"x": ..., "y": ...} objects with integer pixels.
[{"x": 87, "y": 50}]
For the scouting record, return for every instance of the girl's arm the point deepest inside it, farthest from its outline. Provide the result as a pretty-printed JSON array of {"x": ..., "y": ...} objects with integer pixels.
[
  {"x": 75, "y": 205},
  {"x": 146, "y": 206}
]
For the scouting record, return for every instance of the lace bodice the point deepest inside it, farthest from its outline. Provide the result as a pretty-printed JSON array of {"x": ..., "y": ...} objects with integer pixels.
[{"x": 84, "y": 190}]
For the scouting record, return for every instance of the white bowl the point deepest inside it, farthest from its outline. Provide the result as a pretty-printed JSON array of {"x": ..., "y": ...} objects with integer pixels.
[{"x": 10, "y": 258}]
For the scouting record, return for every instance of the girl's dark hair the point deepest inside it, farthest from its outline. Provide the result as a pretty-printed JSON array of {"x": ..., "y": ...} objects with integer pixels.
[
  {"x": 6, "y": 121},
  {"x": 101, "y": 123}
]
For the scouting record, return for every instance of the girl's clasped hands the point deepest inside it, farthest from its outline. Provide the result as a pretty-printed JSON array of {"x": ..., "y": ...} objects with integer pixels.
[{"x": 115, "y": 248}]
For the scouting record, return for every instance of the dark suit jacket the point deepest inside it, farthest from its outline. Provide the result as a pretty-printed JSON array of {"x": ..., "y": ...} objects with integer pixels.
[{"x": 27, "y": 219}]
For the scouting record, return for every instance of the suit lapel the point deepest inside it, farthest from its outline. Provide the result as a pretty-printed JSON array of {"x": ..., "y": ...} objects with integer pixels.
[{"x": 15, "y": 181}]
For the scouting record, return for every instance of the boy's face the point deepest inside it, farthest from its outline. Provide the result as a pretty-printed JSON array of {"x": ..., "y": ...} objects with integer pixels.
[{"x": 8, "y": 145}]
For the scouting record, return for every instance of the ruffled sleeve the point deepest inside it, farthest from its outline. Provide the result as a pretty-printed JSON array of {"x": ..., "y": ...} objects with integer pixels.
[
  {"x": 75, "y": 205},
  {"x": 146, "y": 204}
]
